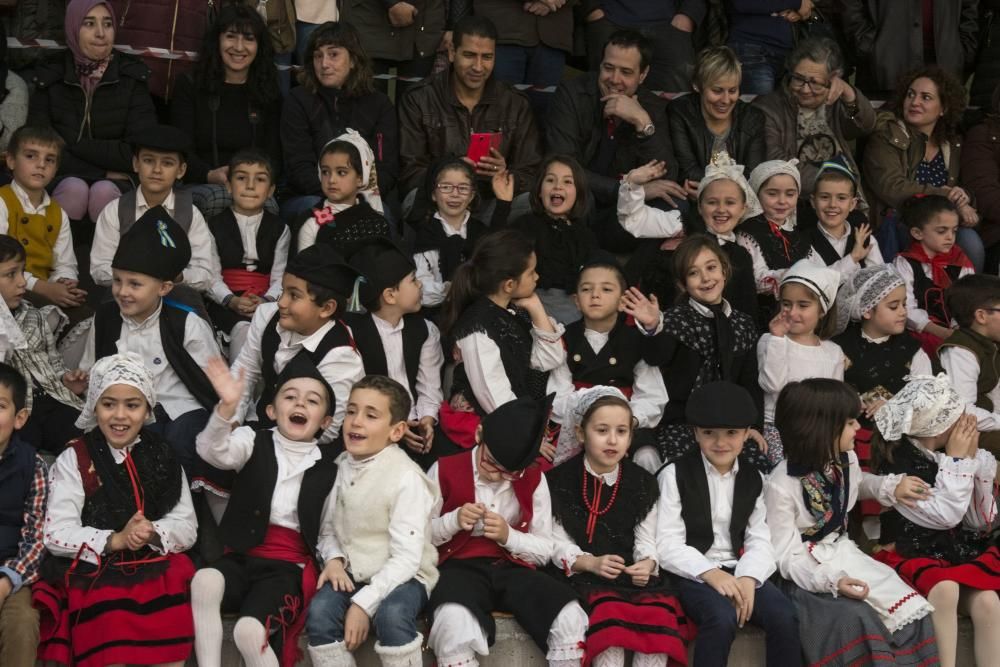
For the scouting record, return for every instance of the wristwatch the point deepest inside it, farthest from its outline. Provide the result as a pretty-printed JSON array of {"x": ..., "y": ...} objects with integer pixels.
[{"x": 647, "y": 131}]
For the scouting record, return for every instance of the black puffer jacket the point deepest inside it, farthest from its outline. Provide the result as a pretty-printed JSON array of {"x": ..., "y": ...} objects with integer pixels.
[
  {"x": 692, "y": 140},
  {"x": 95, "y": 134},
  {"x": 987, "y": 73}
]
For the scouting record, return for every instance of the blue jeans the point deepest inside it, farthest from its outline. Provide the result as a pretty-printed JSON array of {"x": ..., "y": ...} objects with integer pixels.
[
  {"x": 284, "y": 60},
  {"x": 534, "y": 65},
  {"x": 971, "y": 243},
  {"x": 762, "y": 67},
  {"x": 716, "y": 619},
  {"x": 395, "y": 622}
]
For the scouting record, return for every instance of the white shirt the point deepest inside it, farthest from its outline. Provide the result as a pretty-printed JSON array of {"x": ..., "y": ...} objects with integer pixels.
[
  {"x": 435, "y": 287},
  {"x": 534, "y": 546},
  {"x": 427, "y": 402},
  {"x": 782, "y": 360},
  {"x": 63, "y": 256},
  {"x": 407, "y": 531},
  {"x": 916, "y": 317},
  {"x": 642, "y": 221},
  {"x": 963, "y": 369},
  {"x": 201, "y": 272},
  {"x": 64, "y": 533},
  {"x": 686, "y": 561},
  {"x": 341, "y": 367},
  {"x": 565, "y": 551},
  {"x": 248, "y": 226},
  {"x": 484, "y": 367},
  {"x": 143, "y": 338},
  {"x": 310, "y": 228},
  {"x": 846, "y": 264},
  {"x": 768, "y": 280}
]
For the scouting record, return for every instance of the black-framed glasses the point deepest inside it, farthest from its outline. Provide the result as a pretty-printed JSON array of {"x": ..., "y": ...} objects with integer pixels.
[
  {"x": 448, "y": 188},
  {"x": 799, "y": 82},
  {"x": 487, "y": 461}
]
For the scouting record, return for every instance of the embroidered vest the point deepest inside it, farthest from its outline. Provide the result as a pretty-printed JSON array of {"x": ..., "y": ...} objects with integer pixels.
[
  {"x": 36, "y": 232},
  {"x": 875, "y": 370},
  {"x": 780, "y": 249},
  {"x": 229, "y": 241},
  {"x": 369, "y": 344},
  {"x": 17, "y": 473},
  {"x": 929, "y": 296},
  {"x": 353, "y": 227}
]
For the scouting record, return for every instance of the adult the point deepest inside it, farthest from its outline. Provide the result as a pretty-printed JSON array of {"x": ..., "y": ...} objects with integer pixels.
[
  {"x": 761, "y": 32},
  {"x": 714, "y": 119},
  {"x": 337, "y": 94},
  {"x": 94, "y": 97},
  {"x": 816, "y": 113},
  {"x": 668, "y": 25},
  {"x": 439, "y": 115},
  {"x": 612, "y": 124},
  {"x": 980, "y": 176},
  {"x": 230, "y": 102},
  {"x": 986, "y": 75},
  {"x": 13, "y": 96},
  {"x": 917, "y": 149},
  {"x": 891, "y": 37}
]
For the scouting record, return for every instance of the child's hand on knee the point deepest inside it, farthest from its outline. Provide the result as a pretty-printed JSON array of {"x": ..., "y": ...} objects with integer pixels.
[
  {"x": 725, "y": 585},
  {"x": 335, "y": 574},
  {"x": 748, "y": 587},
  {"x": 356, "y": 625}
]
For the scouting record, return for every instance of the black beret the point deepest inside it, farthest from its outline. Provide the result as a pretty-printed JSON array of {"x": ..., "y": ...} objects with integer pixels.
[
  {"x": 323, "y": 266},
  {"x": 514, "y": 431},
  {"x": 600, "y": 257},
  {"x": 165, "y": 138},
  {"x": 721, "y": 405},
  {"x": 155, "y": 246},
  {"x": 383, "y": 264},
  {"x": 302, "y": 366}
]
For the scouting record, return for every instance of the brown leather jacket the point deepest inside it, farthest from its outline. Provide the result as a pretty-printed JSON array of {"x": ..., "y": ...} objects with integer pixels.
[{"x": 434, "y": 124}]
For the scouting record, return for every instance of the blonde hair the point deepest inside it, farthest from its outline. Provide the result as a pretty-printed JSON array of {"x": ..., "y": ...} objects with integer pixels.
[{"x": 714, "y": 63}]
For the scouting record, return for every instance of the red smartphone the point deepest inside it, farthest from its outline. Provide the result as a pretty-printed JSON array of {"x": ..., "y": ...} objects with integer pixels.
[{"x": 480, "y": 144}]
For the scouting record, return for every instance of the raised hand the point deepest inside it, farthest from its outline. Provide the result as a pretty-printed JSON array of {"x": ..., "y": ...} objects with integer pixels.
[
  {"x": 780, "y": 324},
  {"x": 228, "y": 388},
  {"x": 644, "y": 310},
  {"x": 650, "y": 171},
  {"x": 964, "y": 439}
]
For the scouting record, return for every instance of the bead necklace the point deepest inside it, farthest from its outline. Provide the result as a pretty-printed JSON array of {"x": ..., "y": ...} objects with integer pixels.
[{"x": 594, "y": 509}]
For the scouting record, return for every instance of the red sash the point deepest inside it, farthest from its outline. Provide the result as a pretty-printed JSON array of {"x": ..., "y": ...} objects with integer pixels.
[{"x": 242, "y": 281}]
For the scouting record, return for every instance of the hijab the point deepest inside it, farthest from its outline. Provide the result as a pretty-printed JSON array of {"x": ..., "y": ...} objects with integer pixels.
[{"x": 89, "y": 71}]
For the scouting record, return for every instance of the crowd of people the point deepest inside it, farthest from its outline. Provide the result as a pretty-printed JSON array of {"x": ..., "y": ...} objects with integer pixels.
[{"x": 623, "y": 354}]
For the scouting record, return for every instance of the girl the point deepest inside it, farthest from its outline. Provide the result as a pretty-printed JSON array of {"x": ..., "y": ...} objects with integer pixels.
[
  {"x": 503, "y": 341},
  {"x": 931, "y": 264},
  {"x": 614, "y": 525},
  {"x": 352, "y": 211},
  {"x": 445, "y": 230},
  {"x": 852, "y": 609},
  {"x": 942, "y": 546},
  {"x": 119, "y": 517},
  {"x": 703, "y": 340},
  {"x": 797, "y": 346},
  {"x": 559, "y": 229}
]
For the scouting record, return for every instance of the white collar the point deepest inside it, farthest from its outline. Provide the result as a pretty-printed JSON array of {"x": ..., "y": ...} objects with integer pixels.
[
  {"x": 725, "y": 238},
  {"x": 142, "y": 205},
  {"x": 386, "y": 327},
  {"x": 873, "y": 340},
  {"x": 298, "y": 446},
  {"x": 248, "y": 220},
  {"x": 610, "y": 478},
  {"x": 22, "y": 196},
  {"x": 337, "y": 208},
  {"x": 706, "y": 311},
  {"x": 823, "y": 230},
  {"x": 146, "y": 323},
  {"x": 119, "y": 455},
  {"x": 363, "y": 464},
  {"x": 451, "y": 231},
  {"x": 310, "y": 342},
  {"x": 712, "y": 470}
]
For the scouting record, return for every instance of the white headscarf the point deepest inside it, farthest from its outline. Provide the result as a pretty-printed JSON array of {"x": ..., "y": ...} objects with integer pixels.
[
  {"x": 369, "y": 175},
  {"x": 863, "y": 291},
  {"x": 926, "y": 407},
  {"x": 765, "y": 170},
  {"x": 127, "y": 369},
  {"x": 821, "y": 281},
  {"x": 582, "y": 399},
  {"x": 723, "y": 167}
]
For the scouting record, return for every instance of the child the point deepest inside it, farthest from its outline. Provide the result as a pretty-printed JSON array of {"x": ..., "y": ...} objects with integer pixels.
[
  {"x": 631, "y": 607},
  {"x": 52, "y": 399},
  {"x": 119, "y": 519},
  {"x": 933, "y": 262},
  {"x": 837, "y": 241},
  {"x": 272, "y": 522},
  {"x": 252, "y": 246},
  {"x": 159, "y": 160},
  {"x": 380, "y": 563},
  {"x": 315, "y": 290},
  {"x": 604, "y": 349},
  {"x": 29, "y": 215},
  {"x": 493, "y": 528},
  {"x": 503, "y": 340},
  {"x": 346, "y": 217},
  {"x": 558, "y": 227},
  {"x": 446, "y": 232},
  {"x": 942, "y": 545},
  {"x": 703, "y": 340},
  {"x": 23, "y": 504},
  {"x": 395, "y": 340},
  {"x": 852, "y": 609},
  {"x": 969, "y": 355},
  {"x": 798, "y": 345},
  {"x": 174, "y": 342},
  {"x": 711, "y": 532}
]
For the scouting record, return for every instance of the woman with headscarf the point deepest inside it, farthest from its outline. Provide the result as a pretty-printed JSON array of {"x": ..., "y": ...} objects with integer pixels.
[
  {"x": 13, "y": 96},
  {"x": 96, "y": 98}
]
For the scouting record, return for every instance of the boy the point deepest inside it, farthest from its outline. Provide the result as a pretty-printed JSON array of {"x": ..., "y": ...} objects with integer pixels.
[
  {"x": 33, "y": 218},
  {"x": 380, "y": 563},
  {"x": 711, "y": 533},
  {"x": 395, "y": 340},
  {"x": 841, "y": 238},
  {"x": 493, "y": 528},
  {"x": 971, "y": 355},
  {"x": 159, "y": 161},
  {"x": 52, "y": 400},
  {"x": 272, "y": 523},
  {"x": 252, "y": 247},
  {"x": 314, "y": 293},
  {"x": 22, "y": 503},
  {"x": 174, "y": 342}
]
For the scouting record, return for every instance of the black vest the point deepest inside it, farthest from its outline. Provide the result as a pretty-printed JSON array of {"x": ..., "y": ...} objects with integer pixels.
[
  {"x": 17, "y": 473},
  {"x": 776, "y": 255},
  {"x": 244, "y": 524},
  {"x": 351, "y": 228},
  {"x": 876, "y": 367},
  {"x": 229, "y": 241},
  {"x": 173, "y": 316},
  {"x": 614, "y": 365},
  {"x": 696, "y": 505},
  {"x": 338, "y": 336},
  {"x": 824, "y": 249},
  {"x": 372, "y": 352},
  {"x": 183, "y": 210},
  {"x": 929, "y": 296}
]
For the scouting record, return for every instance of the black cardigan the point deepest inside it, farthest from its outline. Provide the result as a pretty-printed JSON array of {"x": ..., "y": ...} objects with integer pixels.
[{"x": 692, "y": 140}]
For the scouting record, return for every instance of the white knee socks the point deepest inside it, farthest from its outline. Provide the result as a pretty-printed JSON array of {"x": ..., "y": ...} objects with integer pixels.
[
  {"x": 250, "y": 638},
  {"x": 207, "y": 588}
]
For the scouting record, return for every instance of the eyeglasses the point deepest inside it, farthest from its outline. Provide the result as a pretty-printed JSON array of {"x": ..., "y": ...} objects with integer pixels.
[
  {"x": 488, "y": 462},
  {"x": 799, "y": 82},
  {"x": 448, "y": 188}
]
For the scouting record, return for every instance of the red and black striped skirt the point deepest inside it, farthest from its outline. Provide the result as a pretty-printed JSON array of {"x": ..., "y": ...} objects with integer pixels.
[
  {"x": 923, "y": 574},
  {"x": 637, "y": 620}
]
